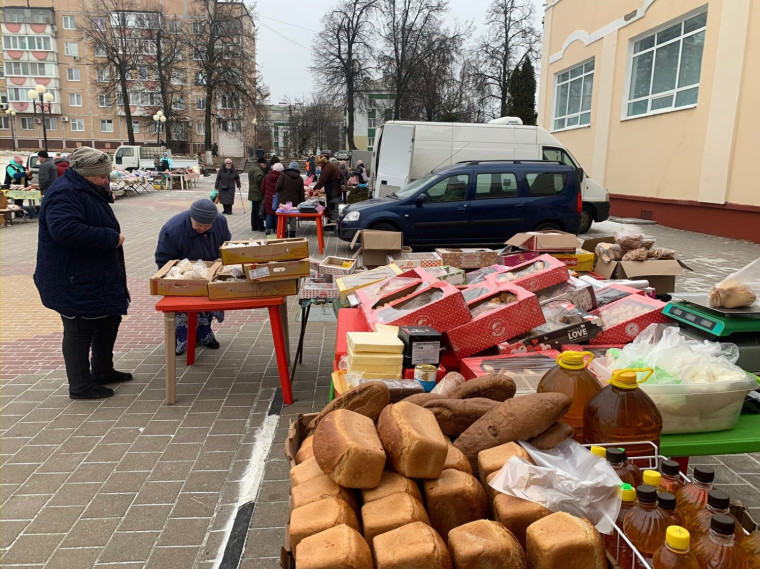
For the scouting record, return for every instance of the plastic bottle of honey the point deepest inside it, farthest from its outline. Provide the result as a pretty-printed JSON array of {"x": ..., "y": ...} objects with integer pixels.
[
  {"x": 671, "y": 476},
  {"x": 625, "y": 469},
  {"x": 615, "y": 545},
  {"x": 653, "y": 478},
  {"x": 646, "y": 524},
  {"x": 718, "y": 549},
  {"x": 667, "y": 503},
  {"x": 751, "y": 547},
  {"x": 693, "y": 496},
  {"x": 622, "y": 413},
  {"x": 675, "y": 552},
  {"x": 718, "y": 502},
  {"x": 571, "y": 377}
]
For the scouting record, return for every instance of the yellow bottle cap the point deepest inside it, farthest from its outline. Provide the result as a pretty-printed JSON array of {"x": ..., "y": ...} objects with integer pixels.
[
  {"x": 627, "y": 493},
  {"x": 652, "y": 477},
  {"x": 627, "y": 378},
  {"x": 574, "y": 360},
  {"x": 599, "y": 451},
  {"x": 677, "y": 537}
]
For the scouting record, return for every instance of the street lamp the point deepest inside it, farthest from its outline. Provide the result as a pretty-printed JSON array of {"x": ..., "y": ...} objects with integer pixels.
[
  {"x": 160, "y": 119},
  {"x": 11, "y": 114},
  {"x": 44, "y": 102}
]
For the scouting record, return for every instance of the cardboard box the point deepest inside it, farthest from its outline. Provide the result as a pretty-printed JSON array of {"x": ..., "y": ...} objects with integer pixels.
[
  {"x": 624, "y": 319},
  {"x": 310, "y": 288},
  {"x": 473, "y": 258},
  {"x": 549, "y": 240},
  {"x": 376, "y": 245},
  {"x": 337, "y": 266},
  {"x": 575, "y": 291},
  {"x": 220, "y": 288},
  {"x": 159, "y": 285},
  {"x": 276, "y": 271},
  {"x": 422, "y": 345},
  {"x": 526, "y": 369},
  {"x": 581, "y": 260},
  {"x": 351, "y": 283},
  {"x": 535, "y": 275},
  {"x": 661, "y": 274},
  {"x": 511, "y": 256},
  {"x": 264, "y": 250},
  {"x": 505, "y": 321},
  {"x": 406, "y": 261}
]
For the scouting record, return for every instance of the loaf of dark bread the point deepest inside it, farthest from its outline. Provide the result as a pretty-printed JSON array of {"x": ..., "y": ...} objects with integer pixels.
[
  {"x": 367, "y": 399},
  {"x": 421, "y": 398},
  {"x": 491, "y": 386},
  {"x": 455, "y": 415},
  {"x": 552, "y": 436}
]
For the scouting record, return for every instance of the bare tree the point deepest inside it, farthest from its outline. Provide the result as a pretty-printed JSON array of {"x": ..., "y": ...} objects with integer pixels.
[
  {"x": 404, "y": 25},
  {"x": 512, "y": 35},
  {"x": 342, "y": 53}
]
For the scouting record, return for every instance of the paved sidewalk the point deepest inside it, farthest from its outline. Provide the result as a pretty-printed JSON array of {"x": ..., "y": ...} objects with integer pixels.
[{"x": 130, "y": 482}]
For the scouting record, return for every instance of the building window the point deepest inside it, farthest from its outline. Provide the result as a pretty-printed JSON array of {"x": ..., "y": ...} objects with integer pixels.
[
  {"x": 174, "y": 26},
  {"x": 227, "y": 102},
  {"x": 106, "y": 125},
  {"x": 199, "y": 27},
  {"x": 200, "y": 127},
  {"x": 179, "y": 130},
  {"x": 665, "y": 68},
  {"x": 71, "y": 48},
  {"x": 136, "y": 127},
  {"x": 100, "y": 50},
  {"x": 103, "y": 75},
  {"x": 51, "y": 123},
  {"x": 72, "y": 74},
  {"x": 77, "y": 125},
  {"x": 200, "y": 78},
  {"x": 69, "y": 23},
  {"x": 35, "y": 43},
  {"x": 371, "y": 122},
  {"x": 200, "y": 104},
  {"x": 178, "y": 103},
  {"x": 24, "y": 69},
  {"x": 75, "y": 99},
  {"x": 104, "y": 100},
  {"x": 5, "y": 123},
  {"x": 572, "y": 106},
  {"x": 27, "y": 123},
  {"x": 370, "y": 143},
  {"x": 178, "y": 78}
]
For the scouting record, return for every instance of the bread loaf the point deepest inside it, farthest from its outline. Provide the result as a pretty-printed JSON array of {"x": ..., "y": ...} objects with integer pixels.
[
  {"x": 514, "y": 420},
  {"x": 484, "y": 544},
  {"x": 453, "y": 499},
  {"x": 552, "y": 436},
  {"x": 348, "y": 449},
  {"x": 413, "y": 546},
  {"x": 492, "y": 459},
  {"x": 490, "y": 491},
  {"x": 306, "y": 450},
  {"x": 319, "y": 516},
  {"x": 305, "y": 471},
  {"x": 320, "y": 488},
  {"x": 392, "y": 483},
  {"x": 490, "y": 386},
  {"x": 420, "y": 398},
  {"x": 456, "y": 460},
  {"x": 340, "y": 547},
  {"x": 391, "y": 512},
  {"x": 562, "y": 540},
  {"x": 517, "y": 514},
  {"x": 412, "y": 440},
  {"x": 455, "y": 415},
  {"x": 367, "y": 399}
]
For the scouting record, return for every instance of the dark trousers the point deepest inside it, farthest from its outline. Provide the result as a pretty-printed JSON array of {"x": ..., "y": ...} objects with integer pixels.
[
  {"x": 79, "y": 336},
  {"x": 257, "y": 224},
  {"x": 227, "y": 207}
]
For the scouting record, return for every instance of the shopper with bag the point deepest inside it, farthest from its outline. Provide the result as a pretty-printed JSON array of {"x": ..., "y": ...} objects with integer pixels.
[
  {"x": 269, "y": 187},
  {"x": 227, "y": 179},
  {"x": 330, "y": 180},
  {"x": 290, "y": 189}
]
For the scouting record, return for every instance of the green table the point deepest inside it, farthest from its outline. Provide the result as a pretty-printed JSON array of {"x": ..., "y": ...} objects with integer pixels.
[{"x": 745, "y": 437}]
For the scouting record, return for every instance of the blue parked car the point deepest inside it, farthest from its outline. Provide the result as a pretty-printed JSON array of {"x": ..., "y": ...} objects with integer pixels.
[{"x": 479, "y": 202}]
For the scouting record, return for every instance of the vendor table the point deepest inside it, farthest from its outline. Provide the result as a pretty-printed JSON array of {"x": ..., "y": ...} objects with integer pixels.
[
  {"x": 317, "y": 217},
  {"x": 32, "y": 195},
  {"x": 135, "y": 183},
  {"x": 169, "y": 305}
]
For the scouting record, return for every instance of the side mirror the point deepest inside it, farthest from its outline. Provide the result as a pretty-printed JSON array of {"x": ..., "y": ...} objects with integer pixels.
[
  {"x": 579, "y": 171},
  {"x": 420, "y": 199}
]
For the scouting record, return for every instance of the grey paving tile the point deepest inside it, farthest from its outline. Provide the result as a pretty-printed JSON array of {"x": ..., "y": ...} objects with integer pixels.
[
  {"x": 31, "y": 549},
  {"x": 146, "y": 517},
  {"x": 264, "y": 542},
  {"x": 75, "y": 494},
  {"x": 195, "y": 505},
  {"x": 11, "y": 530},
  {"x": 124, "y": 482},
  {"x": 91, "y": 533},
  {"x": 171, "y": 470},
  {"x": 270, "y": 514},
  {"x": 159, "y": 492},
  {"x": 70, "y": 558},
  {"x": 54, "y": 519},
  {"x": 128, "y": 546},
  {"x": 23, "y": 507},
  {"x": 172, "y": 558},
  {"x": 184, "y": 531},
  {"x": 109, "y": 505}
]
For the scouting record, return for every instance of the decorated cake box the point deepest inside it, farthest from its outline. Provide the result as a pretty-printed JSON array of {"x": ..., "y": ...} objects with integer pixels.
[
  {"x": 406, "y": 261},
  {"x": 502, "y": 313},
  {"x": 337, "y": 266},
  {"x": 473, "y": 258},
  {"x": 312, "y": 288},
  {"x": 576, "y": 291},
  {"x": 276, "y": 270},
  {"x": 511, "y": 256},
  {"x": 376, "y": 295},
  {"x": 264, "y": 250},
  {"x": 451, "y": 275},
  {"x": 479, "y": 275},
  {"x": 350, "y": 283},
  {"x": 624, "y": 319},
  {"x": 581, "y": 260},
  {"x": 535, "y": 275}
]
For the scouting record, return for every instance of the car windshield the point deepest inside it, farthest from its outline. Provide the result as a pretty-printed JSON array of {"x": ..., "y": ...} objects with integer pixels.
[{"x": 411, "y": 188}]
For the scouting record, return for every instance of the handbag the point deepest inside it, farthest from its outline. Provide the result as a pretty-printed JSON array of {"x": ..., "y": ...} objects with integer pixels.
[{"x": 275, "y": 201}]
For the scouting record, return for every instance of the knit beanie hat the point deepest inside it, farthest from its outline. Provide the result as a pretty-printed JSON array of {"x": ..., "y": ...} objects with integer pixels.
[
  {"x": 293, "y": 165},
  {"x": 203, "y": 211},
  {"x": 278, "y": 167},
  {"x": 87, "y": 161}
]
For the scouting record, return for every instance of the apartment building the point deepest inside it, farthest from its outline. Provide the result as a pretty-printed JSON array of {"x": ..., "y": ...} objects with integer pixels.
[
  {"x": 46, "y": 44},
  {"x": 367, "y": 120},
  {"x": 658, "y": 100}
]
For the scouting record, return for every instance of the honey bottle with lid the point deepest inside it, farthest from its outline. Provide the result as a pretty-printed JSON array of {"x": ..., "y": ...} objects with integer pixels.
[
  {"x": 751, "y": 547},
  {"x": 625, "y": 469},
  {"x": 718, "y": 549},
  {"x": 646, "y": 524},
  {"x": 675, "y": 552},
  {"x": 693, "y": 496},
  {"x": 718, "y": 502},
  {"x": 615, "y": 545},
  {"x": 623, "y": 413},
  {"x": 653, "y": 478},
  {"x": 571, "y": 377},
  {"x": 671, "y": 476},
  {"x": 667, "y": 503}
]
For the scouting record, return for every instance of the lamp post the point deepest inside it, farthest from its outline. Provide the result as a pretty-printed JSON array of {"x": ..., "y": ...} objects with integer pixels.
[
  {"x": 45, "y": 99},
  {"x": 160, "y": 119},
  {"x": 11, "y": 114}
]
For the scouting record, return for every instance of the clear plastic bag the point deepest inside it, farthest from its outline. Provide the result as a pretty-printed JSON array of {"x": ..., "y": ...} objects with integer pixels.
[
  {"x": 448, "y": 383},
  {"x": 739, "y": 289},
  {"x": 567, "y": 478},
  {"x": 628, "y": 240}
]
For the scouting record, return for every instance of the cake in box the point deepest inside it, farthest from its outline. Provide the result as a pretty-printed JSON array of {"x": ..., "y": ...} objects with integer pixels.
[
  {"x": 624, "y": 319},
  {"x": 535, "y": 275}
]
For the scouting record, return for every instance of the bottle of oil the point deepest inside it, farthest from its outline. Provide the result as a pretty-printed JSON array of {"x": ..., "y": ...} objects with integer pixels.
[
  {"x": 646, "y": 524},
  {"x": 621, "y": 412},
  {"x": 625, "y": 469},
  {"x": 653, "y": 478},
  {"x": 675, "y": 552},
  {"x": 751, "y": 547},
  {"x": 693, "y": 496},
  {"x": 667, "y": 503},
  {"x": 718, "y": 502},
  {"x": 718, "y": 549},
  {"x": 615, "y": 545},
  {"x": 671, "y": 476},
  {"x": 571, "y": 377}
]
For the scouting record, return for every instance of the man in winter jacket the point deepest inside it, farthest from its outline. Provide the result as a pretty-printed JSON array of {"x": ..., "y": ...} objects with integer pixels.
[
  {"x": 48, "y": 172},
  {"x": 81, "y": 273},
  {"x": 61, "y": 163},
  {"x": 227, "y": 179},
  {"x": 269, "y": 189},
  {"x": 194, "y": 234},
  {"x": 290, "y": 189},
  {"x": 255, "y": 195},
  {"x": 330, "y": 181}
]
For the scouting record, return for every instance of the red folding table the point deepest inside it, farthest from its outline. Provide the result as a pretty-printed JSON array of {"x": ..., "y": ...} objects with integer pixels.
[
  {"x": 170, "y": 305},
  {"x": 317, "y": 217}
]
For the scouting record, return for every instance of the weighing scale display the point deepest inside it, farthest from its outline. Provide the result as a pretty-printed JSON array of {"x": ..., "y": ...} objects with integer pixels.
[{"x": 690, "y": 317}]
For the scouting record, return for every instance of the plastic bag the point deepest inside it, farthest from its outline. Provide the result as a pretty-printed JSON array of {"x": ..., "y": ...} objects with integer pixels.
[
  {"x": 739, "y": 289},
  {"x": 628, "y": 240},
  {"x": 566, "y": 478},
  {"x": 608, "y": 252},
  {"x": 448, "y": 383},
  {"x": 639, "y": 254}
]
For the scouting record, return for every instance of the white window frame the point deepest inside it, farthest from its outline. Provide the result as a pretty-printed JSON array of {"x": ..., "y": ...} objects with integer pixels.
[
  {"x": 51, "y": 123},
  {"x": 106, "y": 123},
  {"x": 99, "y": 50},
  {"x": 136, "y": 127},
  {"x": 370, "y": 142},
  {"x": 200, "y": 104},
  {"x": 71, "y": 48},
  {"x": 102, "y": 75},
  {"x": 672, "y": 92},
  {"x": 69, "y": 23},
  {"x": 73, "y": 74},
  {"x": 5, "y": 122},
  {"x": 104, "y": 101},
  {"x": 77, "y": 125},
  {"x": 75, "y": 99},
  {"x": 200, "y": 127},
  {"x": 25, "y": 122},
  {"x": 584, "y": 76}
]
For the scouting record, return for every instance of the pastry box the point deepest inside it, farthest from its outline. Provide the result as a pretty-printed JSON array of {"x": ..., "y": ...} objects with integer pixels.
[
  {"x": 264, "y": 250},
  {"x": 624, "y": 319},
  {"x": 277, "y": 270},
  {"x": 535, "y": 275},
  {"x": 196, "y": 286}
]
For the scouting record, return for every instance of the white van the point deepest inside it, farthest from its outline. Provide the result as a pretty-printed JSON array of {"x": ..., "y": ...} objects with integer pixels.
[{"x": 407, "y": 150}]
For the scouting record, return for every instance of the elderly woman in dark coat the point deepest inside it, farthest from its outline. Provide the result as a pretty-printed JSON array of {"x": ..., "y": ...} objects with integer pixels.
[
  {"x": 227, "y": 179},
  {"x": 290, "y": 189},
  {"x": 269, "y": 188}
]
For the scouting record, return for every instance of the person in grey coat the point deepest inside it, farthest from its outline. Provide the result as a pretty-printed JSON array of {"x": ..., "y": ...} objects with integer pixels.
[
  {"x": 48, "y": 171},
  {"x": 227, "y": 179}
]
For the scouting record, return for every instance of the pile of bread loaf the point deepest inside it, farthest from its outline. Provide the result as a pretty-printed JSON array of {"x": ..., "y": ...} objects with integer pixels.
[{"x": 380, "y": 485}]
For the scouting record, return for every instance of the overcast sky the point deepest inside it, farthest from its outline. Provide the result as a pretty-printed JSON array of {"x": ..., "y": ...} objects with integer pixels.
[{"x": 286, "y": 31}]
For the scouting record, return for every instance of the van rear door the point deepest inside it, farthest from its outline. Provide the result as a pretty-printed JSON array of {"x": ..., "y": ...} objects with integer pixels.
[{"x": 394, "y": 158}]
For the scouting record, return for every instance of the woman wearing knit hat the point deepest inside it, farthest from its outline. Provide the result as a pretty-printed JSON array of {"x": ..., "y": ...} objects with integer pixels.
[
  {"x": 269, "y": 189},
  {"x": 290, "y": 189},
  {"x": 81, "y": 272},
  {"x": 227, "y": 179}
]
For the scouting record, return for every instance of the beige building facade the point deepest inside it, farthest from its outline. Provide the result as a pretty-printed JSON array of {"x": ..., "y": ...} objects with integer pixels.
[{"x": 659, "y": 100}]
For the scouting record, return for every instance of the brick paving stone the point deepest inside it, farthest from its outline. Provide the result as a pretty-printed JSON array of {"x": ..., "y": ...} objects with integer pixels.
[
  {"x": 128, "y": 546},
  {"x": 31, "y": 549},
  {"x": 91, "y": 533},
  {"x": 172, "y": 558},
  {"x": 146, "y": 517}
]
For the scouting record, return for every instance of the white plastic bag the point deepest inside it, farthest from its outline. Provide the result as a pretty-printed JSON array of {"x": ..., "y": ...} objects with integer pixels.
[
  {"x": 567, "y": 478},
  {"x": 739, "y": 289}
]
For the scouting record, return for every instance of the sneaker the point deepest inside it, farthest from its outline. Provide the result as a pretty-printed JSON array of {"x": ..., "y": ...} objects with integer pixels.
[
  {"x": 269, "y": 232},
  {"x": 112, "y": 377},
  {"x": 212, "y": 345},
  {"x": 226, "y": 213},
  {"x": 291, "y": 234},
  {"x": 93, "y": 392},
  {"x": 179, "y": 352}
]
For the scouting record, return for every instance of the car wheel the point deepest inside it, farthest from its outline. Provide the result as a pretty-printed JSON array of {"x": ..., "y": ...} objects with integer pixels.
[
  {"x": 383, "y": 226},
  {"x": 586, "y": 219},
  {"x": 547, "y": 225}
]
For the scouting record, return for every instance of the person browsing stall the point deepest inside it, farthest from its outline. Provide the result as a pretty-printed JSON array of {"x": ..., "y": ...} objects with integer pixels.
[
  {"x": 227, "y": 179},
  {"x": 289, "y": 188}
]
